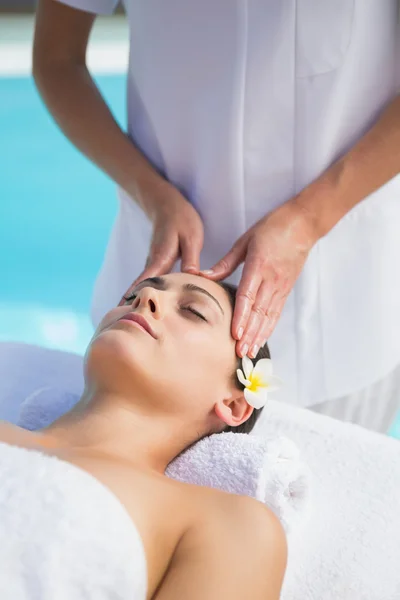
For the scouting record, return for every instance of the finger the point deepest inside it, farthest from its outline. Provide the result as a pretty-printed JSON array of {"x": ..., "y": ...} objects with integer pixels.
[
  {"x": 225, "y": 267},
  {"x": 246, "y": 293},
  {"x": 273, "y": 314},
  {"x": 135, "y": 282},
  {"x": 162, "y": 256},
  {"x": 130, "y": 289},
  {"x": 150, "y": 271},
  {"x": 160, "y": 261},
  {"x": 268, "y": 323},
  {"x": 190, "y": 249},
  {"x": 255, "y": 320},
  {"x": 260, "y": 337}
]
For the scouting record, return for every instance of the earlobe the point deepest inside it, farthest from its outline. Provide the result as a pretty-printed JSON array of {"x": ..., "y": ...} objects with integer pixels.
[{"x": 234, "y": 411}]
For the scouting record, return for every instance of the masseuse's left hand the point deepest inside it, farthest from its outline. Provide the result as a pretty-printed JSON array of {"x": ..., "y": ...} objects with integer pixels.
[{"x": 274, "y": 251}]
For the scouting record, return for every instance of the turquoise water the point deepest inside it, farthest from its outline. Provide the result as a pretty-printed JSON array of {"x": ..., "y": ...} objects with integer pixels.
[
  {"x": 395, "y": 429},
  {"x": 56, "y": 213}
]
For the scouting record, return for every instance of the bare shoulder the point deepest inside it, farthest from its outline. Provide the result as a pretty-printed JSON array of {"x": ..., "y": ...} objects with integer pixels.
[
  {"x": 234, "y": 547},
  {"x": 12, "y": 434},
  {"x": 238, "y": 523},
  {"x": 245, "y": 513},
  {"x": 218, "y": 501}
]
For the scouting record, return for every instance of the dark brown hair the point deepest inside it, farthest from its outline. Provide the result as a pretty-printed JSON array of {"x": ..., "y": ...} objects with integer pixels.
[{"x": 263, "y": 352}]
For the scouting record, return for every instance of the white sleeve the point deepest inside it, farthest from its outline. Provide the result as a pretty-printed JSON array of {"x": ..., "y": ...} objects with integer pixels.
[{"x": 98, "y": 7}]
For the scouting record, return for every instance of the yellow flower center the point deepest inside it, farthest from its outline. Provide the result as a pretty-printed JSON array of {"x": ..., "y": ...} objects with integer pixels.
[{"x": 256, "y": 382}]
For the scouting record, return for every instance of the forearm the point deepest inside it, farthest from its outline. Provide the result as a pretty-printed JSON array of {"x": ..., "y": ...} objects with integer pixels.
[
  {"x": 371, "y": 163},
  {"x": 76, "y": 104}
]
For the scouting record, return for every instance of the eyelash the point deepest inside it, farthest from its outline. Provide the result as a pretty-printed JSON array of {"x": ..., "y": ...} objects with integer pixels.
[{"x": 189, "y": 308}]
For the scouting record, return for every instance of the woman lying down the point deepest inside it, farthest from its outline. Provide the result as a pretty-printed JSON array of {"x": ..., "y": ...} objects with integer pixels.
[{"x": 95, "y": 515}]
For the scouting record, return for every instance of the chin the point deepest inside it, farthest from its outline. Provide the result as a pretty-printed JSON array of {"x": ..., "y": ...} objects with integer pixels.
[{"x": 112, "y": 355}]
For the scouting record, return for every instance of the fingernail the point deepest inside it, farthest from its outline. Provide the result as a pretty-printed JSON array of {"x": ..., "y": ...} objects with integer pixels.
[
  {"x": 207, "y": 272},
  {"x": 244, "y": 349},
  {"x": 240, "y": 333},
  {"x": 254, "y": 351},
  {"x": 189, "y": 268}
]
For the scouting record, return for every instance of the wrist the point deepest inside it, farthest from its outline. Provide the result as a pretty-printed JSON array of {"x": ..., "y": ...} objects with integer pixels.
[
  {"x": 305, "y": 215},
  {"x": 148, "y": 188},
  {"x": 321, "y": 202}
]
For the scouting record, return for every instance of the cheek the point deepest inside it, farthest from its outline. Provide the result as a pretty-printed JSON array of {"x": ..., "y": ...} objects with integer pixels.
[
  {"x": 108, "y": 319},
  {"x": 200, "y": 357}
]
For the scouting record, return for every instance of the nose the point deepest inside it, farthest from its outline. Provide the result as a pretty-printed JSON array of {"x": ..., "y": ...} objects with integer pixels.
[{"x": 149, "y": 299}]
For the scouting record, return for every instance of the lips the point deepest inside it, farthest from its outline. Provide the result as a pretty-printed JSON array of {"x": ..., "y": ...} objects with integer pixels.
[{"x": 140, "y": 320}]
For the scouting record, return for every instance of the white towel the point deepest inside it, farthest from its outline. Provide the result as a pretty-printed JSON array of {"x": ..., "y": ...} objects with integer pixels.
[
  {"x": 351, "y": 547},
  {"x": 63, "y": 534},
  {"x": 24, "y": 369},
  {"x": 269, "y": 470}
]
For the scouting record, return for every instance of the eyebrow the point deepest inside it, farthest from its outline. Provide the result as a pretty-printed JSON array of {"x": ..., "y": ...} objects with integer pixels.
[{"x": 161, "y": 284}]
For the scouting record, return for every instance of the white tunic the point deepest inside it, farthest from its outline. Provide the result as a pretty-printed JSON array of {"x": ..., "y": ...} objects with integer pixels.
[{"x": 243, "y": 103}]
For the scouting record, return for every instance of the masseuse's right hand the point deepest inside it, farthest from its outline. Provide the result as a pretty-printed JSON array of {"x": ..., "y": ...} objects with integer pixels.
[
  {"x": 60, "y": 71},
  {"x": 177, "y": 232}
]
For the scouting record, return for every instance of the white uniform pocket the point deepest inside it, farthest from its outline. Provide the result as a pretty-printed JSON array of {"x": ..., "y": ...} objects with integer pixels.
[{"x": 323, "y": 35}]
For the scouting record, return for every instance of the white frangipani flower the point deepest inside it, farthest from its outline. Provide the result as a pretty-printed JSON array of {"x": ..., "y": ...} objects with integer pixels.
[{"x": 258, "y": 380}]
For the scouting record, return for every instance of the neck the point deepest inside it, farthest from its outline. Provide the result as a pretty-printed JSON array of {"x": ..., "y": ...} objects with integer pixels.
[{"x": 118, "y": 428}]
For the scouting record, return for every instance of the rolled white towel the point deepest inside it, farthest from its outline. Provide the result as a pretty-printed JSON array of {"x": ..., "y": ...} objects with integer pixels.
[{"x": 268, "y": 469}]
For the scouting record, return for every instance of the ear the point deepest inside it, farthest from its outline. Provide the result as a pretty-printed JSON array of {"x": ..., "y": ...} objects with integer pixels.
[{"x": 233, "y": 411}]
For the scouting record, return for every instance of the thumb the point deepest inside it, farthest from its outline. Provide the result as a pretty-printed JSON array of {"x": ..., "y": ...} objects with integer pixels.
[
  {"x": 190, "y": 253},
  {"x": 229, "y": 263}
]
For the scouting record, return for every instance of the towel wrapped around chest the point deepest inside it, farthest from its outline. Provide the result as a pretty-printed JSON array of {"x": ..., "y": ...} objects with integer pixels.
[{"x": 64, "y": 535}]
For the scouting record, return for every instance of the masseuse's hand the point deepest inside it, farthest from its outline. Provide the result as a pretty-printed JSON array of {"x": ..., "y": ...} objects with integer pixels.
[
  {"x": 177, "y": 233},
  {"x": 274, "y": 251}
]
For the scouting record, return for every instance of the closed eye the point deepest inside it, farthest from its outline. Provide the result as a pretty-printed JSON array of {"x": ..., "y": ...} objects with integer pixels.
[
  {"x": 188, "y": 308},
  {"x": 195, "y": 312},
  {"x": 129, "y": 298}
]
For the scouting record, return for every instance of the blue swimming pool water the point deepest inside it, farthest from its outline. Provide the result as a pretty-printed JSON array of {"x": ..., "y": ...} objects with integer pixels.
[{"x": 56, "y": 212}]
